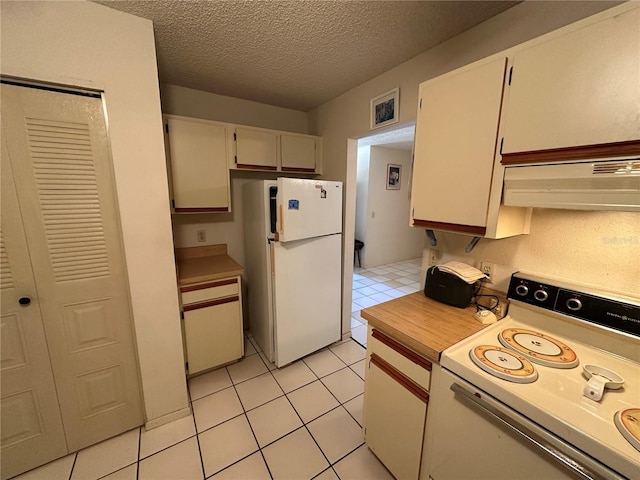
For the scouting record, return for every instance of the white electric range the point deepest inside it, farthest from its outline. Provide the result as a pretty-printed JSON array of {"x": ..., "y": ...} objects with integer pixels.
[{"x": 510, "y": 401}]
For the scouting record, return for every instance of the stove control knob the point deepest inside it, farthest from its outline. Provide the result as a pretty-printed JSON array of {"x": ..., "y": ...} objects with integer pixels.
[
  {"x": 541, "y": 295},
  {"x": 574, "y": 304},
  {"x": 522, "y": 290}
]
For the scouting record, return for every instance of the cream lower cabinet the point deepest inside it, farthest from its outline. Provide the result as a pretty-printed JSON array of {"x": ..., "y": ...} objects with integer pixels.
[
  {"x": 212, "y": 324},
  {"x": 395, "y": 404}
]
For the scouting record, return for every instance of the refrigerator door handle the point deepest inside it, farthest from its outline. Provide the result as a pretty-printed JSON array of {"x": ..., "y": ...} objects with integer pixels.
[{"x": 281, "y": 218}]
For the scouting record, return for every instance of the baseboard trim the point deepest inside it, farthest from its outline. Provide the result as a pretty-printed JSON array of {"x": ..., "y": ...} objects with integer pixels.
[{"x": 163, "y": 420}]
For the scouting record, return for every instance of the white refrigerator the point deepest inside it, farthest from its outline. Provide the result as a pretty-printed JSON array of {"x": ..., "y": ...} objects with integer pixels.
[{"x": 293, "y": 252}]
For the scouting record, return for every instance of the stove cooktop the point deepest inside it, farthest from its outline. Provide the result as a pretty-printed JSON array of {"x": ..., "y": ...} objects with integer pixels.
[{"x": 555, "y": 399}]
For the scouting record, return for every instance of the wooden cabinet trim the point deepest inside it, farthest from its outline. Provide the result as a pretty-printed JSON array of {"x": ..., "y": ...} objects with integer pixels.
[
  {"x": 451, "y": 227},
  {"x": 210, "y": 303},
  {"x": 421, "y": 394},
  {"x": 257, "y": 167},
  {"x": 584, "y": 152},
  {"x": 402, "y": 350},
  {"x": 201, "y": 209},
  {"x": 202, "y": 286},
  {"x": 297, "y": 169}
]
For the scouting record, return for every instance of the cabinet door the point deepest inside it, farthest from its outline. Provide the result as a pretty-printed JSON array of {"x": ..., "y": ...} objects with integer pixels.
[
  {"x": 213, "y": 333},
  {"x": 579, "y": 89},
  {"x": 256, "y": 149},
  {"x": 455, "y": 144},
  {"x": 198, "y": 156},
  {"x": 395, "y": 411},
  {"x": 298, "y": 153}
]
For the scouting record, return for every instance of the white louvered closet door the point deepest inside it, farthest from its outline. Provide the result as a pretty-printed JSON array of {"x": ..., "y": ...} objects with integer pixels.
[
  {"x": 59, "y": 153},
  {"x": 31, "y": 425}
]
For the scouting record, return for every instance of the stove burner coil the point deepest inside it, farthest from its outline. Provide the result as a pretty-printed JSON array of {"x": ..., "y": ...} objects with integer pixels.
[
  {"x": 539, "y": 348},
  {"x": 628, "y": 423},
  {"x": 503, "y": 363}
]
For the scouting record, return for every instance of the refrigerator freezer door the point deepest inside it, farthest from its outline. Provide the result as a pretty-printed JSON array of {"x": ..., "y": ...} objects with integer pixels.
[
  {"x": 307, "y": 295},
  {"x": 308, "y": 208}
]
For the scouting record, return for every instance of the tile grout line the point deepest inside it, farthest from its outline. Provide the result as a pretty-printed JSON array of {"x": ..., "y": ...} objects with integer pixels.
[
  {"x": 139, "y": 448},
  {"x": 195, "y": 427},
  {"x": 305, "y": 424},
  {"x": 244, "y": 412},
  {"x": 264, "y": 459},
  {"x": 73, "y": 466}
]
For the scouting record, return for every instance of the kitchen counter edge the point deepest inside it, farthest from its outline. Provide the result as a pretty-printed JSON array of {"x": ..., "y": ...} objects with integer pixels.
[
  {"x": 423, "y": 324},
  {"x": 204, "y": 264}
]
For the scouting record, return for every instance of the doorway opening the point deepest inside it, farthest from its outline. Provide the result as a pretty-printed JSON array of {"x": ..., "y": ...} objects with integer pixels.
[{"x": 390, "y": 251}]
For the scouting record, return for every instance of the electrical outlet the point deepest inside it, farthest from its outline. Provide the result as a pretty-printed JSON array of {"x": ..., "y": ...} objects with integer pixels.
[
  {"x": 202, "y": 236},
  {"x": 500, "y": 310},
  {"x": 433, "y": 256},
  {"x": 489, "y": 269}
]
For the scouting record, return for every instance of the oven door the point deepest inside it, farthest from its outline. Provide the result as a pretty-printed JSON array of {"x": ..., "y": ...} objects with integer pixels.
[{"x": 471, "y": 435}]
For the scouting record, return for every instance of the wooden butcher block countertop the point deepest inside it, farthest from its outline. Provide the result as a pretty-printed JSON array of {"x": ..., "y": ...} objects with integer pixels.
[
  {"x": 423, "y": 324},
  {"x": 204, "y": 264}
]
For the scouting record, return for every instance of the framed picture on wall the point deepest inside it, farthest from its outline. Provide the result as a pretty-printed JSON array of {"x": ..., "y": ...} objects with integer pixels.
[
  {"x": 393, "y": 176},
  {"x": 384, "y": 109}
]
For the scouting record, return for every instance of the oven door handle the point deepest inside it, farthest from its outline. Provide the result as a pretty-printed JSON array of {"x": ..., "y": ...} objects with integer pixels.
[{"x": 543, "y": 441}]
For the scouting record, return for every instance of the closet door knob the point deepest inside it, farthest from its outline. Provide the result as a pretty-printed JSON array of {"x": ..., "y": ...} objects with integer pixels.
[{"x": 24, "y": 301}]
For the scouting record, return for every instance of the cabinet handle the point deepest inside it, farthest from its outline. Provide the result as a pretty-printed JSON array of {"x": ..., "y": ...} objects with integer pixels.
[
  {"x": 400, "y": 378},
  {"x": 210, "y": 303},
  {"x": 402, "y": 350},
  {"x": 541, "y": 440},
  {"x": 202, "y": 286},
  {"x": 475, "y": 230}
]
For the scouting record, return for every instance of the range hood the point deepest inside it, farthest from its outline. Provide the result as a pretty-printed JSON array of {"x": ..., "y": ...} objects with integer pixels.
[{"x": 589, "y": 185}]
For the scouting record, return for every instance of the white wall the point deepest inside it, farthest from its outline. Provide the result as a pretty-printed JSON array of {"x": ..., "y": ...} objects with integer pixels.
[
  {"x": 347, "y": 117},
  {"x": 195, "y": 103},
  {"x": 382, "y": 214},
  {"x": 598, "y": 249},
  {"x": 362, "y": 195},
  {"x": 88, "y": 45}
]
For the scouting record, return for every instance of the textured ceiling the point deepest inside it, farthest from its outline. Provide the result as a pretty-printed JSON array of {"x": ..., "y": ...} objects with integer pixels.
[{"x": 297, "y": 53}]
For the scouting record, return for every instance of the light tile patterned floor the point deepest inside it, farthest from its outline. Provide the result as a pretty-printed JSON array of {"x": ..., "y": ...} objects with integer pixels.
[
  {"x": 252, "y": 421},
  {"x": 380, "y": 284}
]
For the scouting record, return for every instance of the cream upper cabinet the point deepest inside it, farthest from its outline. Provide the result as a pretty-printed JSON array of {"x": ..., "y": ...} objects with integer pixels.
[
  {"x": 197, "y": 152},
  {"x": 455, "y": 148},
  {"x": 255, "y": 149},
  {"x": 298, "y": 152},
  {"x": 580, "y": 89},
  {"x": 273, "y": 150}
]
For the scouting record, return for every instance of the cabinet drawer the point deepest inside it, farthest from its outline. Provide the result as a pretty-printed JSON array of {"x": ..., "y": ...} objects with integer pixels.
[
  {"x": 403, "y": 359},
  {"x": 209, "y": 291}
]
